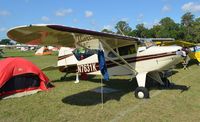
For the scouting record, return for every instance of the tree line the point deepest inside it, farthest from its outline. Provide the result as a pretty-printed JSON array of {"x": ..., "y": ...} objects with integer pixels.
[{"x": 187, "y": 30}]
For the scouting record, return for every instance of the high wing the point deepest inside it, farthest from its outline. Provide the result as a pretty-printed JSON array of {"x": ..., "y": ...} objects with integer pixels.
[{"x": 59, "y": 35}]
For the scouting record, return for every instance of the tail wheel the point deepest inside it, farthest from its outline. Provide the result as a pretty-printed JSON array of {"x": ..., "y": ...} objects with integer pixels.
[{"x": 141, "y": 92}]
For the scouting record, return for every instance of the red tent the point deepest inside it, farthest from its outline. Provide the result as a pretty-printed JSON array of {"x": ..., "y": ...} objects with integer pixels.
[{"x": 19, "y": 75}]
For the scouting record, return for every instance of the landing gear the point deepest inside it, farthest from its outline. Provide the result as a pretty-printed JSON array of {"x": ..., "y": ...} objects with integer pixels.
[{"x": 141, "y": 92}]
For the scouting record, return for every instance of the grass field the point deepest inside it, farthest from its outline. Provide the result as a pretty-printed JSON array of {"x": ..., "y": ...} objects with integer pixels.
[{"x": 76, "y": 102}]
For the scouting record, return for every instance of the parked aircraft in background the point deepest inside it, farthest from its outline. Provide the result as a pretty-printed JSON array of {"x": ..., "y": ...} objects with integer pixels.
[{"x": 124, "y": 55}]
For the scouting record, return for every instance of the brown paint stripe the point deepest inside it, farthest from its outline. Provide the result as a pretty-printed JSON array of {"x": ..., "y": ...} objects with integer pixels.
[
  {"x": 135, "y": 59},
  {"x": 64, "y": 56}
]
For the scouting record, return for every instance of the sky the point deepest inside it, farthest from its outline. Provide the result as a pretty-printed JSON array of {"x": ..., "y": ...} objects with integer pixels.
[{"x": 92, "y": 14}]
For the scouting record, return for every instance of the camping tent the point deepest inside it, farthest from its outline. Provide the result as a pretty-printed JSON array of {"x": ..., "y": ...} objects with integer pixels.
[
  {"x": 19, "y": 76},
  {"x": 53, "y": 48},
  {"x": 43, "y": 51}
]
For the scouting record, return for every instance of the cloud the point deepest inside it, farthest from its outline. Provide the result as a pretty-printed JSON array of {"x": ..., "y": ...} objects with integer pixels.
[
  {"x": 166, "y": 8},
  {"x": 191, "y": 6},
  {"x": 4, "y": 13},
  {"x": 45, "y": 18},
  {"x": 108, "y": 27},
  {"x": 125, "y": 19},
  {"x": 3, "y": 29},
  {"x": 88, "y": 14},
  {"x": 64, "y": 12},
  {"x": 156, "y": 22},
  {"x": 75, "y": 20},
  {"x": 140, "y": 17}
]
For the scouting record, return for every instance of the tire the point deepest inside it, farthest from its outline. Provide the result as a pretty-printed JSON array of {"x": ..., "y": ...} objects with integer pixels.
[{"x": 141, "y": 92}]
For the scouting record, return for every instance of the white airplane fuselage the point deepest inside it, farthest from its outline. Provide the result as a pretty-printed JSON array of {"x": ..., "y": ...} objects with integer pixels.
[{"x": 150, "y": 59}]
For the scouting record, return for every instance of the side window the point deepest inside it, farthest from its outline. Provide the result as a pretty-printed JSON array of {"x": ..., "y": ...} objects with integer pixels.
[
  {"x": 111, "y": 54},
  {"x": 127, "y": 50}
]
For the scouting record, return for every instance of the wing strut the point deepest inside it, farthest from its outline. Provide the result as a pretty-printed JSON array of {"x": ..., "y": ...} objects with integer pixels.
[
  {"x": 122, "y": 59},
  {"x": 118, "y": 63}
]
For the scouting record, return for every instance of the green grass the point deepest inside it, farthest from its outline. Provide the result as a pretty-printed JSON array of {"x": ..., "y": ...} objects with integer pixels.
[{"x": 75, "y": 102}]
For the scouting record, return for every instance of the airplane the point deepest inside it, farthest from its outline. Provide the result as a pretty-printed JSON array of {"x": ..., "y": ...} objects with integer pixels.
[{"x": 99, "y": 53}]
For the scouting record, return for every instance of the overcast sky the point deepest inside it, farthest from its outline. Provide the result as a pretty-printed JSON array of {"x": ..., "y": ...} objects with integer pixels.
[{"x": 91, "y": 14}]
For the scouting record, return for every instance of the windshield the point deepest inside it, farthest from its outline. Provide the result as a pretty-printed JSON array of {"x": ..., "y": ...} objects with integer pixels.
[{"x": 148, "y": 42}]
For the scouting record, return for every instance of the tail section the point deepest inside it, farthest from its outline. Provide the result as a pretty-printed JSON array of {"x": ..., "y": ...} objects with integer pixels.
[{"x": 66, "y": 57}]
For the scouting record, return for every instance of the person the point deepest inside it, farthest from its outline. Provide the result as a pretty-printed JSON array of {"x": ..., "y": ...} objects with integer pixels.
[{"x": 186, "y": 57}]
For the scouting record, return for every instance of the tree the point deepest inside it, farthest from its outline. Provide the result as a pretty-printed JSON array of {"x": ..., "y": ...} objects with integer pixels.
[
  {"x": 123, "y": 28},
  {"x": 6, "y": 42},
  {"x": 187, "y": 19},
  {"x": 142, "y": 31},
  {"x": 168, "y": 28},
  {"x": 168, "y": 23},
  {"x": 133, "y": 33},
  {"x": 155, "y": 31},
  {"x": 196, "y": 30},
  {"x": 107, "y": 31}
]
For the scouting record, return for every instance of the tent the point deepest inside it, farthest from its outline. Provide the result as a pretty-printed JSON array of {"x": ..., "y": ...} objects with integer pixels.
[
  {"x": 53, "y": 48},
  {"x": 20, "y": 77},
  {"x": 43, "y": 51}
]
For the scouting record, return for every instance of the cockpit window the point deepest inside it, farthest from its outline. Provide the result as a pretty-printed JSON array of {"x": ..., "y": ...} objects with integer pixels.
[
  {"x": 126, "y": 50},
  {"x": 81, "y": 53},
  {"x": 149, "y": 43}
]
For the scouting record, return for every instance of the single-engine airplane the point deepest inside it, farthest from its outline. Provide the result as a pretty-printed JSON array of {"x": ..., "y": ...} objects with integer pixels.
[{"x": 124, "y": 55}]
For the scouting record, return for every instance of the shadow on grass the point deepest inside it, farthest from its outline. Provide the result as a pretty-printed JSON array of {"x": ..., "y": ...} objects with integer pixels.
[
  {"x": 72, "y": 77},
  {"x": 191, "y": 62},
  {"x": 90, "y": 97}
]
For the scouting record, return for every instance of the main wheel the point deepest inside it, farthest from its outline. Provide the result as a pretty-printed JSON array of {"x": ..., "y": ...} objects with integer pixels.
[{"x": 141, "y": 92}]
